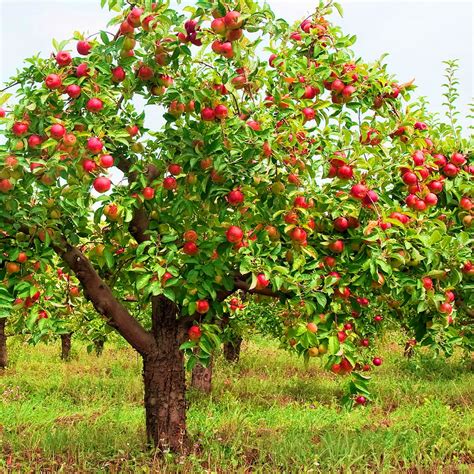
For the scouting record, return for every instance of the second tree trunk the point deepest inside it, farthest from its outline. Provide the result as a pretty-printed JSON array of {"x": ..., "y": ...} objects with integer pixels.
[
  {"x": 201, "y": 378},
  {"x": 66, "y": 346},
  {"x": 232, "y": 349},
  {"x": 3, "y": 344}
]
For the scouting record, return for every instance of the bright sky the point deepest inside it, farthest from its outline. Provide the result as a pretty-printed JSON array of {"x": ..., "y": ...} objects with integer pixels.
[{"x": 419, "y": 35}]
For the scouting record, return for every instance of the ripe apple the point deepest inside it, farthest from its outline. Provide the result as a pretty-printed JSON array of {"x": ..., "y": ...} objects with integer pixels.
[
  {"x": 94, "y": 145},
  {"x": 450, "y": 170},
  {"x": 234, "y": 234},
  {"x": 445, "y": 308},
  {"x": 202, "y": 306},
  {"x": 53, "y": 81},
  {"x": 254, "y": 125},
  {"x": 361, "y": 400},
  {"x": 102, "y": 184},
  {"x": 262, "y": 281},
  {"x": 465, "y": 203},
  {"x": 409, "y": 178},
  {"x": 431, "y": 199},
  {"x": 145, "y": 73},
  {"x": 194, "y": 333},
  {"x": 312, "y": 327},
  {"x": 170, "y": 183},
  {"x": 377, "y": 361},
  {"x": 218, "y": 26},
  {"x": 106, "y": 161},
  {"x": 227, "y": 50},
  {"x": 336, "y": 368},
  {"x": 20, "y": 128},
  {"x": 418, "y": 158},
  {"x": 235, "y": 197},
  {"x": 94, "y": 105},
  {"x": 111, "y": 211},
  {"x": 208, "y": 114},
  {"x": 341, "y": 224},
  {"x": 34, "y": 141},
  {"x": 89, "y": 166},
  {"x": 148, "y": 193},
  {"x": 427, "y": 283},
  {"x": 309, "y": 114},
  {"x": 337, "y": 246},
  {"x": 12, "y": 267},
  {"x": 233, "y": 20},
  {"x": 298, "y": 235},
  {"x": 450, "y": 296},
  {"x": 118, "y": 74},
  {"x": 221, "y": 112},
  {"x": 83, "y": 47},
  {"x": 82, "y": 70},
  {"x": 57, "y": 131},
  {"x": 458, "y": 159},
  {"x": 73, "y": 91},
  {"x": 359, "y": 191},
  {"x": 63, "y": 58},
  {"x": 345, "y": 172},
  {"x": 190, "y": 236}
]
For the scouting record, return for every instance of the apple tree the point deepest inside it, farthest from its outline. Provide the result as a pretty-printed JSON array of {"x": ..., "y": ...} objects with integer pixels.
[{"x": 282, "y": 166}]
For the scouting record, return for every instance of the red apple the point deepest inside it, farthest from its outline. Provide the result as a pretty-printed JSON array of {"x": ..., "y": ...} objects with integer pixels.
[
  {"x": 94, "y": 145},
  {"x": 202, "y": 306},
  {"x": 53, "y": 81},
  {"x": 83, "y": 47},
  {"x": 63, "y": 58},
  {"x": 94, "y": 105},
  {"x": 194, "y": 333},
  {"x": 234, "y": 234},
  {"x": 102, "y": 184}
]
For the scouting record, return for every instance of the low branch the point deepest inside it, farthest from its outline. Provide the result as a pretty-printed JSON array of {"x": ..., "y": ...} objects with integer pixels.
[{"x": 103, "y": 300}]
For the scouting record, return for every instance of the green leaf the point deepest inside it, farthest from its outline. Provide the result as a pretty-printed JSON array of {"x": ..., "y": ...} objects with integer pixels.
[
  {"x": 333, "y": 345},
  {"x": 104, "y": 37},
  {"x": 143, "y": 280},
  {"x": 109, "y": 258},
  {"x": 339, "y": 9}
]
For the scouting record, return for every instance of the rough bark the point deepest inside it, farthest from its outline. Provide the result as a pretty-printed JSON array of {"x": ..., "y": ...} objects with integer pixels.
[
  {"x": 3, "y": 344},
  {"x": 232, "y": 349},
  {"x": 164, "y": 378},
  {"x": 66, "y": 346},
  {"x": 99, "y": 347},
  {"x": 409, "y": 351},
  {"x": 201, "y": 378}
]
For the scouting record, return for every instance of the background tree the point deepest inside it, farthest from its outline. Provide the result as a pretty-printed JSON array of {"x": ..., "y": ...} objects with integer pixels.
[{"x": 303, "y": 176}]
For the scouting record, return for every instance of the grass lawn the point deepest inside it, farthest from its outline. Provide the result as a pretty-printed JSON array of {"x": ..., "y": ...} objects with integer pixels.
[{"x": 268, "y": 413}]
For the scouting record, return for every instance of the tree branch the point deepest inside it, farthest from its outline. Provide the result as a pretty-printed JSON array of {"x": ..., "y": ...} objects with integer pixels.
[
  {"x": 240, "y": 284},
  {"x": 103, "y": 300}
]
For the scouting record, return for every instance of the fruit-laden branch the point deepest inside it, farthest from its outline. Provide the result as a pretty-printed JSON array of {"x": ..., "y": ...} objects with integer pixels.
[
  {"x": 240, "y": 284},
  {"x": 103, "y": 300}
]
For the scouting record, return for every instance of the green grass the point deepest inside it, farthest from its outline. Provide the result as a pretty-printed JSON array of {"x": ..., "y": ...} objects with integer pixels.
[{"x": 266, "y": 414}]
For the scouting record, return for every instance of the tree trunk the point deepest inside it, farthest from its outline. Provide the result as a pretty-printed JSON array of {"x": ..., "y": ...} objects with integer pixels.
[
  {"x": 3, "y": 344},
  {"x": 164, "y": 378},
  {"x": 408, "y": 351},
  {"x": 232, "y": 349},
  {"x": 66, "y": 346},
  {"x": 201, "y": 378},
  {"x": 99, "y": 347}
]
